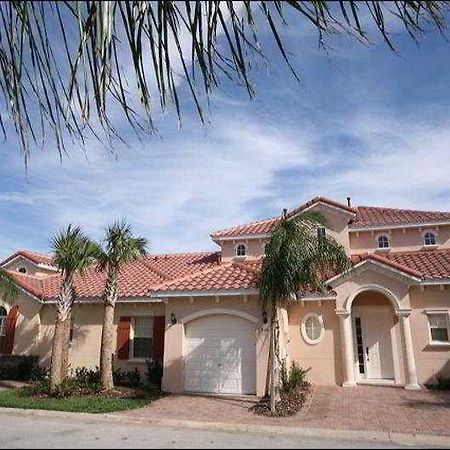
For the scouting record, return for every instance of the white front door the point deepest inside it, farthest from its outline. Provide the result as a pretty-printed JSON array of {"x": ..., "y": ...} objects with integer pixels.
[
  {"x": 220, "y": 355},
  {"x": 372, "y": 328}
]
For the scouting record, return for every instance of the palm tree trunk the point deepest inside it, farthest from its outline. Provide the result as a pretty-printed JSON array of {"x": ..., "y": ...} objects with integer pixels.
[
  {"x": 273, "y": 357},
  {"x": 107, "y": 347},
  {"x": 66, "y": 347},
  {"x": 60, "y": 348},
  {"x": 56, "y": 375}
]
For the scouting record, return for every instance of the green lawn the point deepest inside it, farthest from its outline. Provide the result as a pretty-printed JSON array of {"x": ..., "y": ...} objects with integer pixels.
[{"x": 89, "y": 404}]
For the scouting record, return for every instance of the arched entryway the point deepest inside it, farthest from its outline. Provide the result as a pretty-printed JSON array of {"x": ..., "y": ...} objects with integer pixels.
[{"x": 374, "y": 338}]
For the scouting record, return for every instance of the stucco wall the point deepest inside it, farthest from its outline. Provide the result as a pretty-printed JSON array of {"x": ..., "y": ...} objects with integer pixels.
[
  {"x": 432, "y": 361},
  {"x": 324, "y": 358},
  {"x": 255, "y": 248},
  {"x": 87, "y": 331},
  {"x": 26, "y": 338},
  {"x": 31, "y": 268},
  {"x": 400, "y": 239},
  {"x": 175, "y": 336}
]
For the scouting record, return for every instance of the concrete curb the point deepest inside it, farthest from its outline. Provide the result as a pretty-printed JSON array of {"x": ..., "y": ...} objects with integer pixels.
[{"x": 418, "y": 440}]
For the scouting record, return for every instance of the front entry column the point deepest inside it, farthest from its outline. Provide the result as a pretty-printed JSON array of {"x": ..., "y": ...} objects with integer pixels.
[
  {"x": 408, "y": 351},
  {"x": 347, "y": 348}
]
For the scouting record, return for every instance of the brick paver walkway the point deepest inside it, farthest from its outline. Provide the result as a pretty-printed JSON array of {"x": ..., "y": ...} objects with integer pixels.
[{"x": 360, "y": 408}]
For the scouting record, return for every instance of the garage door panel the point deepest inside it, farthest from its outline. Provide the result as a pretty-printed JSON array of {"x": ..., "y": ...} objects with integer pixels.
[{"x": 220, "y": 355}]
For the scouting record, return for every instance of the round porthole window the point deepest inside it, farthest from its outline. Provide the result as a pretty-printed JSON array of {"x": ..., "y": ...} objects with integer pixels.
[{"x": 312, "y": 328}]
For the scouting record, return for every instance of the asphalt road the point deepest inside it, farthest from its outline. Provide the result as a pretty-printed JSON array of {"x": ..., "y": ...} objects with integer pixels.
[{"x": 18, "y": 431}]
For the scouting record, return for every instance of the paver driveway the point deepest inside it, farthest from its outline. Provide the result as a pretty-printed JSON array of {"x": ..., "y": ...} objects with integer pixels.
[{"x": 360, "y": 408}]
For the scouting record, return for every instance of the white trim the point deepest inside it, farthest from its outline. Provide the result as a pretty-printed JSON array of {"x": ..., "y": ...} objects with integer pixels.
[
  {"x": 211, "y": 293},
  {"x": 383, "y": 249},
  {"x": 377, "y": 288},
  {"x": 436, "y": 312},
  {"x": 436, "y": 236},
  {"x": 399, "y": 226},
  {"x": 219, "y": 311},
  {"x": 376, "y": 264},
  {"x": 305, "y": 336},
  {"x": 240, "y": 236},
  {"x": 315, "y": 298}
]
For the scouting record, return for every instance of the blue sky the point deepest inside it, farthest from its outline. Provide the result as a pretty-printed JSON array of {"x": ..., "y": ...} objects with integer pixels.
[{"x": 363, "y": 122}]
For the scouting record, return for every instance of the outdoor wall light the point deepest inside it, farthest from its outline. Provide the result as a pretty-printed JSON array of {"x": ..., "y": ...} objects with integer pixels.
[
  {"x": 265, "y": 319},
  {"x": 173, "y": 318}
]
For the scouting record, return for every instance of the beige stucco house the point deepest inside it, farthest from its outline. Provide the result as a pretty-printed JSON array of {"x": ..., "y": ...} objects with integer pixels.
[{"x": 385, "y": 322}]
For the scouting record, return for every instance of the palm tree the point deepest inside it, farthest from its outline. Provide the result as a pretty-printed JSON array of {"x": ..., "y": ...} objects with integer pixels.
[
  {"x": 8, "y": 286},
  {"x": 64, "y": 66},
  {"x": 73, "y": 253},
  {"x": 120, "y": 247},
  {"x": 298, "y": 259}
]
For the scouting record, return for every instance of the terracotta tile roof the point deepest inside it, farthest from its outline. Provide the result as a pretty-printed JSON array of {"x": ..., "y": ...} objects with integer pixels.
[
  {"x": 38, "y": 258},
  {"x": 266, "y": 226},
  {"x": 368, "y": 216},
  {"x": 432, "y": 264},
  {"x": 227, "y": 276},
  {"x": 136, "y": 279}
]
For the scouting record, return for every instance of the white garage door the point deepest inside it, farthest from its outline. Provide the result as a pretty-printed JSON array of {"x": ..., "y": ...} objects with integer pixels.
[{"x": 220, "y": 355}]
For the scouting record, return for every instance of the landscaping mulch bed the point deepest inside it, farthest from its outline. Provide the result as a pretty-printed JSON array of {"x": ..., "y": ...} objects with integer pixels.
[{"x": 290, "y": 404}]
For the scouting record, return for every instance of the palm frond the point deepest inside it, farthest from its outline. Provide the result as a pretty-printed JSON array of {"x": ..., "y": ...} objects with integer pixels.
[
  {"x": 297, "y": 259},
  {"x": 66, "y": 68},
  {"x": 8, "y": 286},
  {"x": 120, "y": 246},
  {"x": 73, "y": 251}
]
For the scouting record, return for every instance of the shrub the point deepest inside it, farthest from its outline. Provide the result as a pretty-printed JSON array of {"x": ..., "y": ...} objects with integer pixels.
[
  {"x": 154, "y": 373},
  {"x": 296, "y": 378},
  {"x": 130, "y": 379},
  {"x": 443, "y": 384},
  {"x": 18, "y": 367}
]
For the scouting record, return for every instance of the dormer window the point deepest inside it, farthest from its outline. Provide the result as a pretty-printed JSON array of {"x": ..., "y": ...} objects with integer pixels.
[
  {"x": 22, "y": 270},
  {"x": 241, "y": 250},
  {"x": 429, "y": 238},
  {"x": 383, "y": 241}
]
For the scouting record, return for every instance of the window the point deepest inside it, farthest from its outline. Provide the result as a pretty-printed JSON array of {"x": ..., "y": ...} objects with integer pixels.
[
  {"x": 383, "y": 241},
  {"x": 439, "y": 327},
  {"x": 22, "y": 270},
  {"x": 241, "y": 250},
  {"x": 321, "y": 234},
  {"x": 429, "y": 238},
  {"x": 312, "y": 328},
  {"x": 143, "y": 337},
  {"x": 3, "y": 315}
]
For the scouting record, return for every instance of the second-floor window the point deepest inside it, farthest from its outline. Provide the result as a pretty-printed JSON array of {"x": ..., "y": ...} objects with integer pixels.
[
  {"x": 321, "y": 234},
  {"x": 383, "y": 241},
  {"x": 3, "y": 315},
  {"x": 241, "y": 250},
  {"x": 429, "y": 238}
]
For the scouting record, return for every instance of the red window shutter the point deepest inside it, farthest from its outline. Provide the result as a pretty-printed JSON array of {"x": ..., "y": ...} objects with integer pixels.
[
  {"x": 8, "y": 339},
  {"x": 159, "y": 329},
  {"x": 123, "y": 338}
]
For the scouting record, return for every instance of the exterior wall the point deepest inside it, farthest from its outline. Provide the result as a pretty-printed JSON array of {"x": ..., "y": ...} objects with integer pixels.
[
  {"x": 325, "y": 358},
  {"x": 432, "y": 361},
  {"x": 87, "y": 332},
  {"x": 255, "y": 249},
  {"x": 400, "y": 239},
  {"x": 175, "y": 336},
  {"x": 32, "y": 268},
  {"x": 26, "y": 338}
]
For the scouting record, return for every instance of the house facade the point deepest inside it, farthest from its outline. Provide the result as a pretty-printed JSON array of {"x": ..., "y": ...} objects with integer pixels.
[{"x": 384, "y": 322}]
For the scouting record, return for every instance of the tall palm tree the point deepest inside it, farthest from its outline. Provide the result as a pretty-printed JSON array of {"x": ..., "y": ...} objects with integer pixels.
[
  {"x": 120, "y": 247},
  {"x": 66, "y": 66},
  {"x": 298, "y": 259},
  {"x": 73, "y": 253}
]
